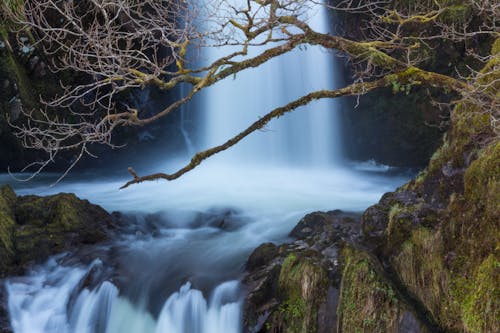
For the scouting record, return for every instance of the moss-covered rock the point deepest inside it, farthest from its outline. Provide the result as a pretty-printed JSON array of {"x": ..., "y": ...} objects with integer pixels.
[
  {"x": 303, "y": 284},
  {"x": 368, "y": 302},
  {"x": 294, "y": 287},
  {"x": 444, "y": 247},
  {"x": 321, "y": 284},
  {"x": 32, "y": 227},
  {"x": 7, "y": 225},
  {"x": 261, "y": 256}
]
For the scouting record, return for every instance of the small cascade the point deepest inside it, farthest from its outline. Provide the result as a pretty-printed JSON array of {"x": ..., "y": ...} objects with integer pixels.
[
  {"x": 52, "y": 299},
  {"x": 222, "y": 314}
]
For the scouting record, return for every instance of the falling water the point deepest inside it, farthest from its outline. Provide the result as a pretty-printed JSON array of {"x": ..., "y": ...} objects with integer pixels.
[
  {"x": 308, "y": 136},
  {"x": 45, "y": 301}
]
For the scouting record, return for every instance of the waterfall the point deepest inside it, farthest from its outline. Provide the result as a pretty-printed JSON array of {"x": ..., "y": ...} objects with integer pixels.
[
  {"x": 308, "y": 136},
  {"x": 51, "y": 299},
  {"x": 177, "y": 245}
]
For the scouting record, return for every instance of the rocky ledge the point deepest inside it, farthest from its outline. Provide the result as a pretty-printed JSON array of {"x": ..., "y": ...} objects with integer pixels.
[
  {"x": 33, "y": 228},
  {"x": 323, "y": 281}
]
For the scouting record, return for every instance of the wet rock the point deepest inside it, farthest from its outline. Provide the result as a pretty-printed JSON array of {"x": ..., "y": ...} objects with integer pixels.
[
  {"x": 323, "y": 281},
  {"x": 222, "y": 218},
  {"x": 4, "y": 317},
  {"x": 33, "y": 227},
  {"x": 261, "y": 256},
  {"x": 294, "y": 287},
  {"x": 15, "y": 108},
  {"x": 376, "y": 218}
]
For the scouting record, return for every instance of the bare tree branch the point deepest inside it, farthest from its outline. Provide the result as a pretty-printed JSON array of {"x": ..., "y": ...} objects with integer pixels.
[{"x": 116, "y": 46}]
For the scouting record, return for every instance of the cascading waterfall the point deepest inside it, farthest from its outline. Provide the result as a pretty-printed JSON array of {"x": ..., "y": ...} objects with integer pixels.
[{"x": 287, "y": 173}]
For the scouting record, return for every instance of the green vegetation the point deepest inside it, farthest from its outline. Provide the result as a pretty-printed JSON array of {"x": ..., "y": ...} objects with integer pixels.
[
  {"x": 32, "y": 227},
  {"x": 302, "y": 287},
  {"x": 367, "y": 303},
  {"x": 448, "y": 257}
]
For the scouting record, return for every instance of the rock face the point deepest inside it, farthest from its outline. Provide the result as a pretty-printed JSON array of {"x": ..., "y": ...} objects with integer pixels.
[
  {"x": 299, "y": 287},
  {"x": 32, "y": 227},
  {"x": 439, "y": 233}
]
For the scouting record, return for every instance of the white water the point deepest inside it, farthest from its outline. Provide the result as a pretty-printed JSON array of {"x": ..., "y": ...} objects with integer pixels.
[
  {"x": 269, "y": 181},
  {"x": 43, "y": 303},
  {"x": 308, "y": 136}
]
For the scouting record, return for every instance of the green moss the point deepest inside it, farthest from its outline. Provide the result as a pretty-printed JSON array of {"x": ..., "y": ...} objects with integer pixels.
[
  {"x": 7, "y": 222},
  {"x": 367, "y": 302},
  {"x": 456, "y": 14},
  {"x": 13, "y": 5},
  {"x": 420, "y": 267},
  {"x": 482, "y": 180},
  {"x": 60, "y": 211},
  {"x": 495, "y": 48},
  {"x": 481, "y": 306},
  {"x": 399, "y": 225},
  {"x": 18, "y": 73},
  {"x": 7, "y": 225},
  {"x": 445, "y": 266},
  {"x": 302, "y": 287}
]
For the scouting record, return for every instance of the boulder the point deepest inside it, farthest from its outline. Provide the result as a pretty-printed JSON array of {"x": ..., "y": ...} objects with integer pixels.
[
  {"x": 293, "y": 287},
  {"x": 33, "y": 227}
]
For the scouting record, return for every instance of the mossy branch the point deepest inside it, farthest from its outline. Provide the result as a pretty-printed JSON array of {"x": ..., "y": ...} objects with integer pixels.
[{"x": 413, "y": 76}]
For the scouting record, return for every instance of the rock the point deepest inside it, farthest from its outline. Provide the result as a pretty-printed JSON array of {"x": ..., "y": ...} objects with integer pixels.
[
  {"x": 33, "y": 62},
  {"x": 40, "y": 70},
  {"x": 293, "y": 287},
  {"x": 321, "y": 282},
  {"x": 7, "y": 227},
  {"x": 375, "y": 218},
  {"x": 329, "y": 224},
  {"x": 368, "y": 301},
  {"x": 261, "y": 256},
  {"x": 16, "y": 108},
  {"x": 4, "y": 317},
  {"x": 33, "y": 228}
]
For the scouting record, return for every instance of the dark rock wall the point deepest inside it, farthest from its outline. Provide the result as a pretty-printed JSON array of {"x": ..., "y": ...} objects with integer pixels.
[
  {"x": 401, "y": 127},
  {"x": 25, "y": 77}
]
